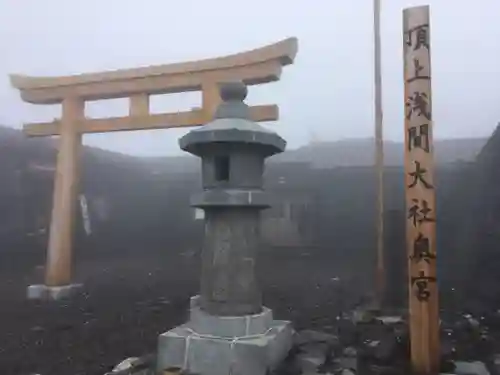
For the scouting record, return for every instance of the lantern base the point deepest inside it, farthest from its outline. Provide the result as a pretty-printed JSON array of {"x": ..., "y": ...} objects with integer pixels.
[{"x": 213, "y": 345}]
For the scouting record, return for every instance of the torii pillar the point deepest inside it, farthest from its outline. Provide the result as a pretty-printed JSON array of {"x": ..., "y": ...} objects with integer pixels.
[{"x": 58, "y": 268}]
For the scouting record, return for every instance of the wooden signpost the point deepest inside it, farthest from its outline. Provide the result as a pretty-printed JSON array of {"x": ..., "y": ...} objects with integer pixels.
[
  {"x": 420, "y": 194},
  {"x": 254, "y": 67}
]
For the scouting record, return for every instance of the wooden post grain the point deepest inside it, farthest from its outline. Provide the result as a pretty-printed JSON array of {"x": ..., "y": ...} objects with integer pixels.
[
  {"x": 379, "y": 156},
  {"x": 420, "y": 193},
  {"x": 58, "y": 271},
  {"x": 210, "y": 98},
  {"x": 139, "y": 105}
]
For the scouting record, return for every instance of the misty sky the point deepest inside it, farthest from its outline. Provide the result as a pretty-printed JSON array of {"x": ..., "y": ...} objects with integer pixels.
[{"x": 327, "y": 94}]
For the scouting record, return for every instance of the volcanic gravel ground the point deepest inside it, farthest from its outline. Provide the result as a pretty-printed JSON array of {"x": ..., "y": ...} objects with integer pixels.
[{"x": 129, "y": 300}]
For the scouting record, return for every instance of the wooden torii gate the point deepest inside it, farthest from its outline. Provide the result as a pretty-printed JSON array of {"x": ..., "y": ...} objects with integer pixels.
[{"x": 253, "y": 67}]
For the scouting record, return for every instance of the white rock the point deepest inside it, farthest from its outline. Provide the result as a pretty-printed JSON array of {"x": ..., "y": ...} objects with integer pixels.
[{"x": 125, "y": 364}]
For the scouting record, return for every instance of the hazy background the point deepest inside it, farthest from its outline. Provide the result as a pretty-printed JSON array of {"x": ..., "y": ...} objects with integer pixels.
[{"x": 327, "y": 94}]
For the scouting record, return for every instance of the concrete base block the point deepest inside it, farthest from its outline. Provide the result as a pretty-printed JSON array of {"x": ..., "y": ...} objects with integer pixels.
[
  {"x": 248, "y": 345},
  {"x": 54, "y": 293},
  {"x": 471, "y": 368}
]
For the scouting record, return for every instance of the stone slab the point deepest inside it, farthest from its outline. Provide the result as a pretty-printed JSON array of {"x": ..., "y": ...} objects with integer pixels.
[
  {"x": 54, "y": 293},
  {"x": 215, "y": 355},
  {"x": 471, "y": 368},
  {"x": 231, "y": 198}
]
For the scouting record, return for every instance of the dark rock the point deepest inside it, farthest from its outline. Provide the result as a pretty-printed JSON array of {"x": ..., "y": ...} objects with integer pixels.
[
  {"x": 386, "y": 348},
  {"x": 381, "y": 350},
  {"x": 348, "y": 363},
  {"x": 312, "y": 357},
  {"x": 314, "y": 349},
  {"x": 447, "y": 367},
  {"x": 385, "y": 370},
  {"x": 350, "y": 352},
  {"x": 290, "y": 366},
  {"x": 347, "y": 332},
  {"x": 447, "y": 348},
  {"x": 309, "y": 336}
]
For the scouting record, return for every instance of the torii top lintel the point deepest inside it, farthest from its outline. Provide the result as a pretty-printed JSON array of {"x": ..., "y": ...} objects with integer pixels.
[{"x": 257, "y": 66}]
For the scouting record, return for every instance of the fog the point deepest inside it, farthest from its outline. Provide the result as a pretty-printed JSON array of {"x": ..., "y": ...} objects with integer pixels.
[{"x": 326, "y": 95}]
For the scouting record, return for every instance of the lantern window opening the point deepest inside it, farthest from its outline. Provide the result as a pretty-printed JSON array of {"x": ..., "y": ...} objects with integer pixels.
[{"x": 222, "y": 168}]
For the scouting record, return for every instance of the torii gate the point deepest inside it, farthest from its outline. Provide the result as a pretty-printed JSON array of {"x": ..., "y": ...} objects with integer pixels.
[{"x": 253, "y": 67}]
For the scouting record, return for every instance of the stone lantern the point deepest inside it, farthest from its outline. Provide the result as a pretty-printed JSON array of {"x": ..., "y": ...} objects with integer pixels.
[{"x": 229, "y": 331}]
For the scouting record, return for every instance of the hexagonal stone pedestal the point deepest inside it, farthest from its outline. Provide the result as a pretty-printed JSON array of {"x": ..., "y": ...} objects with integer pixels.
[{"x": 215, "y": 345}]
